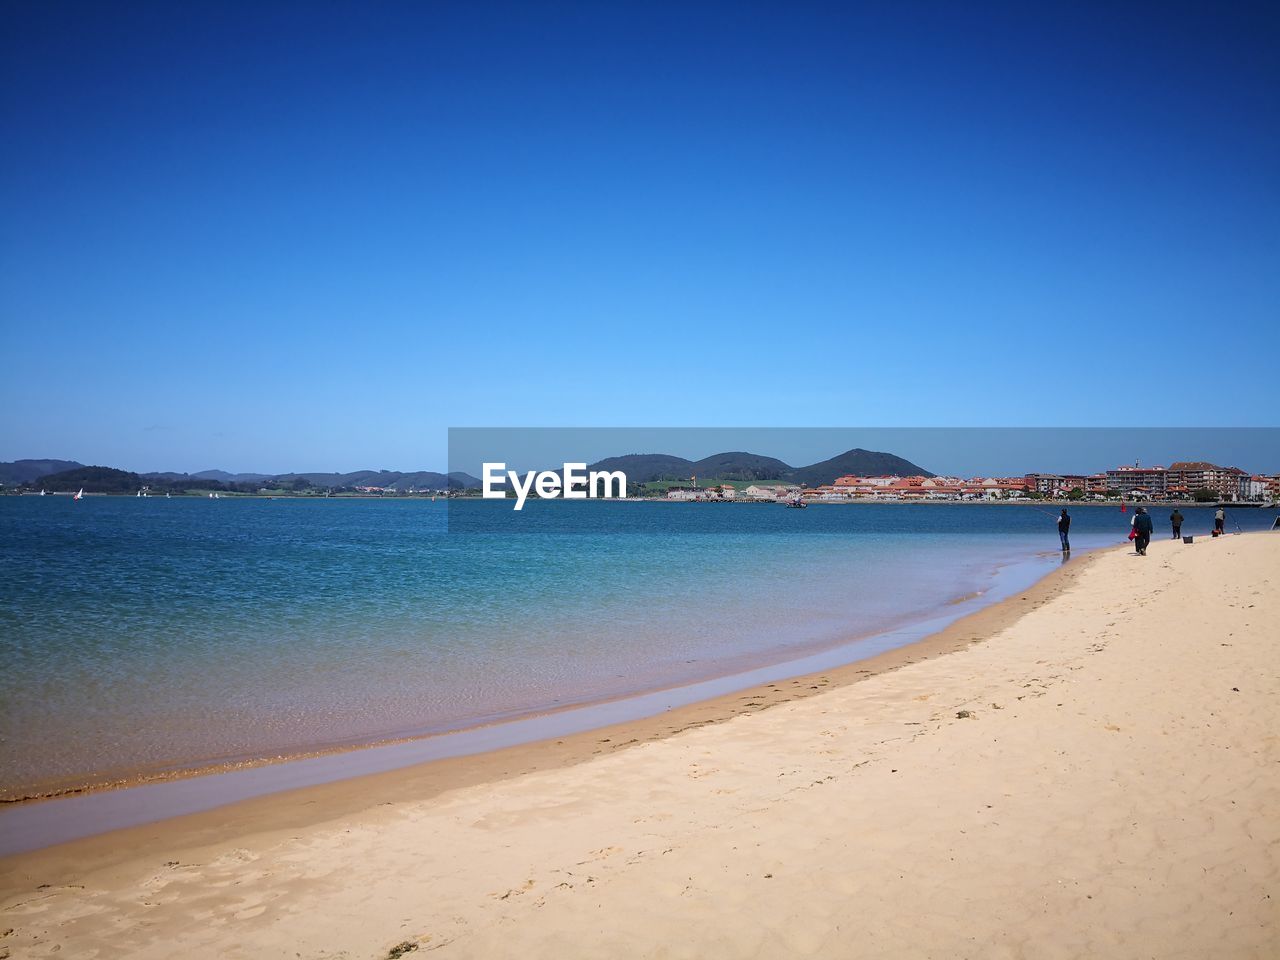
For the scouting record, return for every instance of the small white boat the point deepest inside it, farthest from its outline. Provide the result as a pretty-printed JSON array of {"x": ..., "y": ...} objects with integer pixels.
[
  {"x": 80, "y": 495},
  {"x": 42, "y": 493}
]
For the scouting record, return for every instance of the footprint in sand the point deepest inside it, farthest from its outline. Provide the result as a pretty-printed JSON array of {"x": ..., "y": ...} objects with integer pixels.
[
  {"x": 237, "y": 856},
  {"x": 516, "y": 891}
]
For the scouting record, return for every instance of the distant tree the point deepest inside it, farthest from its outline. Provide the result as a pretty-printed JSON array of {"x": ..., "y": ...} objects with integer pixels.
[
  {"x": 92, "y": 479},
  {"x": 1205, "y": 496},
  {"x": 1075, "y": 494},
  {"x": 300, "y": 484}
]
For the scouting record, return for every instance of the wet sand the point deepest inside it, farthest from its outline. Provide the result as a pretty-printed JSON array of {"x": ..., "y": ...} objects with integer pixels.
[{"x": 1097, "y": 777}]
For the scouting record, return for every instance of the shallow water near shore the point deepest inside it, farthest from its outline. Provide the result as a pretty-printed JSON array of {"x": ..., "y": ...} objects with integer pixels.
[{"x": 145, "y": 635}]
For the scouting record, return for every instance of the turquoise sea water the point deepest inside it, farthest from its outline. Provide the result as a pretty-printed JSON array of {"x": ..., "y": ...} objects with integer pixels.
[{"x": 146, "y": 634}]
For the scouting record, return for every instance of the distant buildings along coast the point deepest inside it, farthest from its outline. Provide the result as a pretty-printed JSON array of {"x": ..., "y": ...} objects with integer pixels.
[
  {"x": 854, "y": 475},
  {"x": 1181, "y": 481}
]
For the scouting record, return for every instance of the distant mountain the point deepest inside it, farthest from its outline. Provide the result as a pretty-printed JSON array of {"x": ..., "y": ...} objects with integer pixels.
[
  {"x": 646, "y": 467},
  {"x": 223, "y": 477},
  {"x": 205, "y": 479},
  {"x": 387, "y": 479},
  {"x": 69, "y": 474},
  {"x": 859, "y": 462},
  {"x": 460, "y": 480},
  {"x": 93, "y": 480},
  {"x": 639, "y": 468},
  {"x": 741, "y": 466},
  {"x": 26, "y": 471}
]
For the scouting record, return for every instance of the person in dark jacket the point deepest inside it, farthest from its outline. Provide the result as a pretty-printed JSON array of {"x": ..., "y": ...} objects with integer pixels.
[
  {"x": 1142, "y": 527},
  {"x": 1175, "y": 519},
  {"x": 1219, "y": 522},
  {"x": 1064, "y": 527}
]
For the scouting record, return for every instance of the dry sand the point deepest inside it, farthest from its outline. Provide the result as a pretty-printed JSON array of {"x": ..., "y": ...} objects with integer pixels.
[{"x": 1113, "y": 792}]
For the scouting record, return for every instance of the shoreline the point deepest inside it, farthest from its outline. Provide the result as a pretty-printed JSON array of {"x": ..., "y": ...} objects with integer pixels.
[
  {"x": 277, "y": 809},
  {"x": 1103, "y": 765},
  {"x": 847, "y": 501},
  {"x": 919, "y": 627},
  {"x": 75, "y": 768}
]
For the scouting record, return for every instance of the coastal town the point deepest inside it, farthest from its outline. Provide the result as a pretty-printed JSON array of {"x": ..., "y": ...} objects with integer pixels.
[{"x": 1182, "y": 481}]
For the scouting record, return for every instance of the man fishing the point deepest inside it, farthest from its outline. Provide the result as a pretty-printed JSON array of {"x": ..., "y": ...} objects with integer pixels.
[
  {"x": 1175, "y": 520},
  {"x": 1064, "y": 528}
]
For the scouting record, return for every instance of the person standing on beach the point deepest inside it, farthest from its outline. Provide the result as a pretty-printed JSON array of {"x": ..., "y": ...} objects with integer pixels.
[
  {"x": 1142, "y": 530},
  {"x": 1220, "y": 522},
  {"x": 1064, "y": 527},
  {"x": 1175, "y": 519}
]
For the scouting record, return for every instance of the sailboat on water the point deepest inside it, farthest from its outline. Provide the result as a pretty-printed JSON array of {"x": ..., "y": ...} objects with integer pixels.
[{"x": 80, "y": 495}]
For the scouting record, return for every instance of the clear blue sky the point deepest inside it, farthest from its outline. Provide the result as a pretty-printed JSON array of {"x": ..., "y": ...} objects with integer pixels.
[{"x": 315, "y": 235}]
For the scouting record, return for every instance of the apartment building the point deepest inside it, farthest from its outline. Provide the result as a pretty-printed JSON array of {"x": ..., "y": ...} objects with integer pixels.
[
  {"x": 1059, "y": 485},
  {"x": 1180, "y": 480},
  {"x": 1226, "y": 483},
  {"x": 1138, "y": 481}
]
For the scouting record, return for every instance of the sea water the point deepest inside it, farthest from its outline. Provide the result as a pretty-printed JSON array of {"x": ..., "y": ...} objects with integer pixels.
[{"x": 148, "y": 634}]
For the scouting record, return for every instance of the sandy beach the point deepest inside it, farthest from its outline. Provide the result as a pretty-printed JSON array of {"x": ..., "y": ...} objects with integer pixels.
[{"x": 1091, "y": 769}]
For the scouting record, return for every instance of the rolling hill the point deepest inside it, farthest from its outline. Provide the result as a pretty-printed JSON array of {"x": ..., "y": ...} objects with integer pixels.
[
  {"x": 17, "y": 472},
  {"x": 223, "y": 477},
  {"x": 741, "y": 466},
  {"x": 92, "y": 480},
  {"x": 859, "y": 462},
  {"x": 640, "y": 468},
  {"x": 647, "y": 467},
  {"x": 389, "y": 479},
  {"x": 59, "y": 475},
  {"x": 644, "y": 467}
]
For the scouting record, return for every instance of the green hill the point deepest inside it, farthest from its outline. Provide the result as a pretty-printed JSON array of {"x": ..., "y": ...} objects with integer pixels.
[
  {"x": 646, "y": 467},
  {"x": 223, "y": 477},
  {"x": 859, "y": 462},
  {"x": 27, "y": 471},
  {"x": 93, "y": 480},
  {"x": 741, "y": 466},
  {"x": 640, "y": 468},
  {"x": 388, "y": 479}
]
